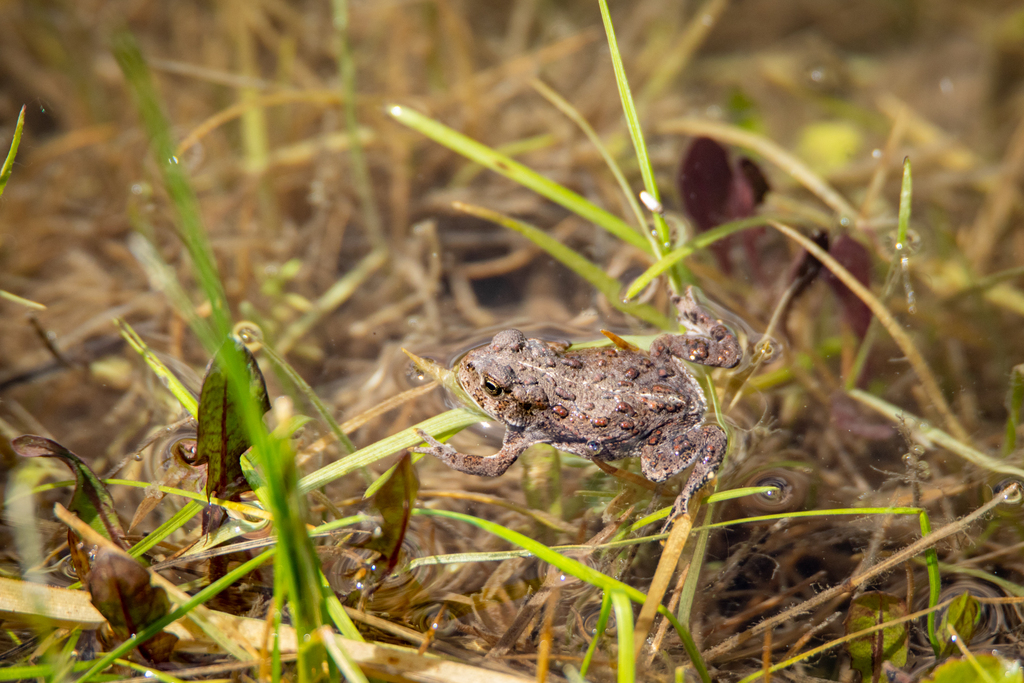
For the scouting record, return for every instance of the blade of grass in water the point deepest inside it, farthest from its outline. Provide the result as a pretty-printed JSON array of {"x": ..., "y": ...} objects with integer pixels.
[
  {"x": 633, "y": 124},
  {"x": 580, "y": 571},
  {"x": 440, "y": 425},
  {"x": 589, "y": 271},
  {"x": 701, "y": 241},
  {"x": 360, "y": 172},
  {"x": 563, "y": 106},
  {"x": 602, "y": 623},
  {"x": 513, "y": 170},
  {"x": 296, "y": 559},
  {"x": 8, "y": 168},
  {"x": 898, "y": 268},
  {"x": 624, "y": 630},
  {"x": 689, "y": 592}
]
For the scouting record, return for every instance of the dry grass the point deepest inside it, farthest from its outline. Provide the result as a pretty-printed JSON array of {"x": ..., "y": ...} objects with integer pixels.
[{"x": 253, "y": 94}]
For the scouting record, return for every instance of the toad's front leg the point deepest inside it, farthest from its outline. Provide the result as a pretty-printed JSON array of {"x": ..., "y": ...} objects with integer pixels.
[{"x": 480, "y": 465}]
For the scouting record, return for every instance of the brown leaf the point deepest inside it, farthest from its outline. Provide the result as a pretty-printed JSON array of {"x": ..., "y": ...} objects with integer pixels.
[
  {"x": 395, "y": 500},
  {"x": 90, "y": 501},
  {"x": 121, "y": 590}
]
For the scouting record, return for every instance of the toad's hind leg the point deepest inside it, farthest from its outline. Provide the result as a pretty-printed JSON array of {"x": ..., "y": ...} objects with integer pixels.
[
  {"x": 714, "y": 344},
  {"x": 703, "y": 447}
]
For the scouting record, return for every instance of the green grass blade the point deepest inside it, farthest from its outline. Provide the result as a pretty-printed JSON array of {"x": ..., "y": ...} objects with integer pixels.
[
  {"x": 624, "y": 629},
  {"x": 190, "y": 228},
  {"x": 543, "y": 553},
  {"x": 439, "y": 425},
  {"x": 586, "y": 269},
  {"x": 296, "y": 559},
  {"x": 602, "y": 623},
  {"x": 513, "y": 170},
  {"x": 465, "y": 175},
  {"x": 342, "y": 621},
  {"x": 27, "y": 303},
  {"x": 699, "y": 242},
  {"x": 633, "y": 123},
  {"x": 931, "y": 560},
  {"x": 191, "y": 509},
  {"x": 689, "y": 591},
  {"x": 198, "y": 599},
  {"x": 174, "y": 385},
  {"x": 8, "y": 168},
  {"x": 570, "y": 111},
  {"x": 580, "y": 571}
]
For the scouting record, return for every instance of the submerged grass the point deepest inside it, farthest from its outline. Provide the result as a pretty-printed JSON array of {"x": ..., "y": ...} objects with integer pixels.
[{"x": 844, "y": 530}]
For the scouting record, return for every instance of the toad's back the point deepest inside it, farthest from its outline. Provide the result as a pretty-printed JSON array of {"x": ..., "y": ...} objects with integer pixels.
[{"x": 606, "y": 398}]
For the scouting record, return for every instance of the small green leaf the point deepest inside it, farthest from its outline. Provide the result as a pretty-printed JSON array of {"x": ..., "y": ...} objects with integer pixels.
[
  {"x": 978, "y": 669},
  {"x": 90, "y": 501},
  {"x": 885, "y": 645},
  {"x": 963, "y": 615},
  {"x": 395, "y": 501},
  {"x": 8, "y": 168},
  {"x": 222, "y": 436}
]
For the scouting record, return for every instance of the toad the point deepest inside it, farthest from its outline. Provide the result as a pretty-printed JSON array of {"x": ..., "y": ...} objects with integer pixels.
[{"x": 604, "y": 403}]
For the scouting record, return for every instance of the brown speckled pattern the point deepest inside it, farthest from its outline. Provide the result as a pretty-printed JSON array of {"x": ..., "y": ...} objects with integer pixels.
[{"x": 601, "y": 403}]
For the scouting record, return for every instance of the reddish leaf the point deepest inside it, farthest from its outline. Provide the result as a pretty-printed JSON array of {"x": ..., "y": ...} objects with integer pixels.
[
  {"x": 705, "y": 183},
  {"x": 853, "y": 256},
  {"x": 90, "y": 501},
  {"x": 222, "y": 436},
  {"x": 395, "y": 501},
  {"x": 121, "y": 590},
  {"x": 714, "y": 193}
]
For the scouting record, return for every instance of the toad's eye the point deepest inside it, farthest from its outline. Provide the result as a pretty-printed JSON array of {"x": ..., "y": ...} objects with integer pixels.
[{"x": 491, "y": 387}]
